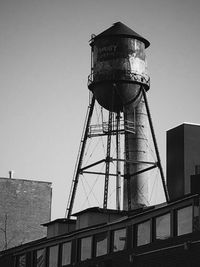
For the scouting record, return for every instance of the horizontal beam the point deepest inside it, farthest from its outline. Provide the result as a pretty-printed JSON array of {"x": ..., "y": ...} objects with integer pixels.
[
  {"x": 92, "y": 165},
  {"x": 136, "y": 162},
  {"x": 101, "y": 173}
]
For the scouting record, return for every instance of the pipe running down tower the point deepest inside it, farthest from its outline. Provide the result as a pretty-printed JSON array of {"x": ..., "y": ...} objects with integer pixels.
[{"x": 119, "y": 83}]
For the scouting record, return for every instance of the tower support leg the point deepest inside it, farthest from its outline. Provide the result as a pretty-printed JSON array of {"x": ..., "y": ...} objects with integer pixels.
[
  {"x": 105, "y": 200},
  {"x": 80, "y": 158},
  {"x": 118, "y": 167},
  {"x": 155, "y": 146}
]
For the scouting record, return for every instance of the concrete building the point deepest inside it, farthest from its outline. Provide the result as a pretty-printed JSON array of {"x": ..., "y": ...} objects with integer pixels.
[
  {"x": 24, "y": 206},
  {"x": 183, "y": 159}
]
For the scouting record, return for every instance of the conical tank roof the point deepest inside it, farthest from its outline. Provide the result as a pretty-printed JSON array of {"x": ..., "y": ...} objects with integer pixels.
[{"x": 121, "y": 29}]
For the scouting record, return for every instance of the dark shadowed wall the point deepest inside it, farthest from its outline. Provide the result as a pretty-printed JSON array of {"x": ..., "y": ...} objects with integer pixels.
[{"x": 183, "y": 156}]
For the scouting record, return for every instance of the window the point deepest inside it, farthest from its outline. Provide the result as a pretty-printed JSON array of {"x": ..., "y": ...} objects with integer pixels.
[
  {"x": 196, "y": 218},
  {"x": 22, "y": 261},
  {"x": 86, "y": 248},
  {"x": 40, "y": 258},
  {"x": 101, "y": 244},
  {"x": 143, "y": 233},
  {"x": 184, "y": 220},
  {"x": 119, "y": 239},
  {"x": 53, "y": 256},
  {"x": 66, "y": 253},
  {"x": 163, "y": 226}
]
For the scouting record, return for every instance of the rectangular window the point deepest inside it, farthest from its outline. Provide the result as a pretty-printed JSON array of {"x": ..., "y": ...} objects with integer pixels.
[
  {"x": 101, "y": 244},
  {"x": 119, "y": 239},
  {"x": 196, "y": 226},
  {"x": 66, "y": 253},
  {"x": 22, "y": 261},
  {"x": 86, "y": 248},
  {"x": 184, "y": 220},
  {"x": 53, "y": 256},
  {"x": 163, "y": 226},
  {"x": 144, "y": 233},
  {"x": 40, "y": 258}
]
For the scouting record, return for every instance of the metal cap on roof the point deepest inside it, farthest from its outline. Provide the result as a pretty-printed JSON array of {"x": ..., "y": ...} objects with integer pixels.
[
  {"x": 100, "y": 210},
  {"x": 60, "y": 220},
  {"x": 121, "y": 29}
]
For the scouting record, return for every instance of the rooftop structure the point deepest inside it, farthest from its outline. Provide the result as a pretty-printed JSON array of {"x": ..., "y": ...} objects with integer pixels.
[{"x": 183, "y": 160}]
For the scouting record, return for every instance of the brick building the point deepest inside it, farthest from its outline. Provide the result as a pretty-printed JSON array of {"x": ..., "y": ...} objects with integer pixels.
[{"x": 24, "y": 206}]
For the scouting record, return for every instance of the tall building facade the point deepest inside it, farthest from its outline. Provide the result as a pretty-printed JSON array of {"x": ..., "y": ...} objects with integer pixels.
[
  {"x": 24, "y": 206},
  {"x": 183, "y": 158}
]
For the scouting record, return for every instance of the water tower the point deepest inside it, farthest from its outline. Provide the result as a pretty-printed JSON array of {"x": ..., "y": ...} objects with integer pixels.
[{"x": 119, "y": 82}]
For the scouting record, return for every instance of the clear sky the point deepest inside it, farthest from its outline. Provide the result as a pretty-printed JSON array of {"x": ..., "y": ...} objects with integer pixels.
[{"x": 44, "y": 64}]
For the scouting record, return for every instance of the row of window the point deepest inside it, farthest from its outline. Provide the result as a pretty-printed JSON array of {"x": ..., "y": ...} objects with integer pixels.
[
  {"x": 85, "y": 250},
  {"x": 42, "y": 260},
  {"x": 161, "y": 227},
  {"x": 101, "y": 248}
]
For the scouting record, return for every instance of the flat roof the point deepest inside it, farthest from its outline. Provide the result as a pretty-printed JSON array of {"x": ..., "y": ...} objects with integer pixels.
[
  {"x": 182, "y": 125},
  {"x": 100, "y": 210},
  {"x": 60, "y": 220},
  {"x": 26, "y": 180}
]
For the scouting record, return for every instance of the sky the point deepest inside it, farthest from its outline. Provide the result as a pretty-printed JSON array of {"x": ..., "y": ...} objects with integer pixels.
[{"x": 44, "y": 65}]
